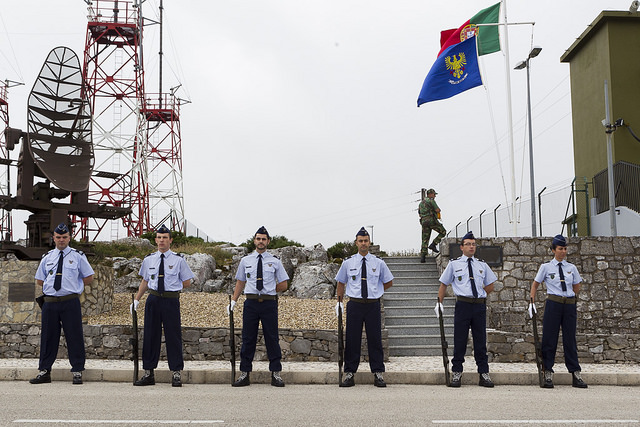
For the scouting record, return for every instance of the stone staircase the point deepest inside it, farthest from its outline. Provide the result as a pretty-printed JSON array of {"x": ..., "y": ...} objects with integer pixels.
[{"x": 409, "y": 318}]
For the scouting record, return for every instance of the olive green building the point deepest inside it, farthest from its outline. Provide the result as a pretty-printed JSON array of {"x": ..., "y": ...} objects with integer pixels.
[{"x": 609, "y": 49}]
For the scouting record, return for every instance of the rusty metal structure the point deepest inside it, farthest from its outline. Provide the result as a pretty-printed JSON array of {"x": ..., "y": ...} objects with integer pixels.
[{"x": 56, "y": 157}]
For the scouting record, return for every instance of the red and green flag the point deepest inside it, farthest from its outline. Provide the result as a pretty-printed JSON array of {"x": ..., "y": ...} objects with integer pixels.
[{"x": 488, "y": 36}]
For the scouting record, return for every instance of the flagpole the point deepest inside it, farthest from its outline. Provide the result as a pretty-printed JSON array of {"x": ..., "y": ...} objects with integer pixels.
[{"x": 510, "y": 121}]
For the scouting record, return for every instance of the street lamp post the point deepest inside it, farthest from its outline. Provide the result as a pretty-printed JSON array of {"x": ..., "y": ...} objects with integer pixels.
[{"x": 525, "y": 64}]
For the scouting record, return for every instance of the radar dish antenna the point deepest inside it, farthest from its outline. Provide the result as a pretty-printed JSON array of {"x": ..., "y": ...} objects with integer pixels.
[{"x": 59, "y": 122}]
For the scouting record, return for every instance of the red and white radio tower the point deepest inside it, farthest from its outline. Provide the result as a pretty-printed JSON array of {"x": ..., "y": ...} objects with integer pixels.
[
  {"x": 6, "y": 229},
  {"x": 136, "y": 135}
]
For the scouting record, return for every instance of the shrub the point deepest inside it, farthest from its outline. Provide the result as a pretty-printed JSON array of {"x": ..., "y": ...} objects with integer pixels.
[
  {"x": 342, "y": 249},
  {"x": 275, "y": 243}
]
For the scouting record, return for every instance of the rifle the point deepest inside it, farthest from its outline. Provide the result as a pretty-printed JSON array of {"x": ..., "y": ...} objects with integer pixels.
[
  {"x": 538, "y": 346},
  {"x": 340, "y": 342},
  {"x": 445, "y": 345},
  {"x": 232, "y": 343},
  {"x": 134, "y": 341}
]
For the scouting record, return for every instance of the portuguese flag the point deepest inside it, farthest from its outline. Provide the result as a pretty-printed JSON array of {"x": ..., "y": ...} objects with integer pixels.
[{"x": 488, "y": 37}]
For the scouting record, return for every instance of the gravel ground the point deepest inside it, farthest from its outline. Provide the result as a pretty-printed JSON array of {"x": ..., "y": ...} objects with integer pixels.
[{"x": 206, "y": 310}]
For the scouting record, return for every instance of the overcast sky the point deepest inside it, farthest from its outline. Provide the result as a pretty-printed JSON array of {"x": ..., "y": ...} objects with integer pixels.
[{"x": 304, "y": 118}]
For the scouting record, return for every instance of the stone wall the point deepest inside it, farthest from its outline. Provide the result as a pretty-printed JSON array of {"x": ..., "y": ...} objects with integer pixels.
[
  {"x": 113, "y": 342},
  {"x": 18, "y": 292},
  {"x": 608, "y": 301}
]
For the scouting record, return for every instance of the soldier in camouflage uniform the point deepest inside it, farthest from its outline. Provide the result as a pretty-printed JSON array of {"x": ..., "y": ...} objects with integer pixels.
[{"x": 429, "y": 213}]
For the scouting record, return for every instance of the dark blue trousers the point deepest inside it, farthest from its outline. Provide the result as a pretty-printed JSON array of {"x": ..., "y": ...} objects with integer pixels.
[
  {"x": 474, "y": 316},
  {"x": 253, "y": 313},
  {"x": 158, "y": 313},
  {"x": 369, "y": 315},
  {"x": 556, "y": 315},
  {"x": 68, "y": 316}
]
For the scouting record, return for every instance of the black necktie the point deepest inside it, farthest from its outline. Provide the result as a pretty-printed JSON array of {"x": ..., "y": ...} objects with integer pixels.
[
  {"x": 259, "y": 283},
  {"x": 473, "y": 282},
  {"x": 161, "y": 275},
  {"x": 57, "y": 282},
  {"x": 363, "y": 280},
  {"x": 562, "y": 282}
]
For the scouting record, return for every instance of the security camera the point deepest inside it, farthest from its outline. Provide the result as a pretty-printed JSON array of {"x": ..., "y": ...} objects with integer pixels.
[{"x": 634, "y": 6}]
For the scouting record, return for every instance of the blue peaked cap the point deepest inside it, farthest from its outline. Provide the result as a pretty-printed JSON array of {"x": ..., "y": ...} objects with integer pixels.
[
  {"x": 469, "y": 235},
  {"x": 362, "y": 232},
  {"x": 559, "y": 240},
  {"x": 61, "y": 228},
  {"x": 263, "y": 230},
  {"x": 163, "y": 230}
]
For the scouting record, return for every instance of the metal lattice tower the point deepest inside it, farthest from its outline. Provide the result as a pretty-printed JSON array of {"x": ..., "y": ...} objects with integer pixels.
[
  {"x": 114, "y": 77},
  {"x": 6, "y": 229},
  {"x": 163, "y": 160}
]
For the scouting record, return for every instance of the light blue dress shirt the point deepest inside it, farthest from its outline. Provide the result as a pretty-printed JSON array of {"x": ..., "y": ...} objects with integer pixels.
[
  {"x": 273, "y": 272},
  {"x": 75, "y": 268},
  {"x": 550, "y": 275},
  {"x": 176, "y": 271},
  {"x": 377, "y": 275},
  {"x": 457, "y": 275}
]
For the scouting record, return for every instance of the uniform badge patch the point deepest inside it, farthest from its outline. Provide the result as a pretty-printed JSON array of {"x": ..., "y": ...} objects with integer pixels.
[
  {"x": 353, "y": 277},
  {"x": 153, "y": 276},
  {"x": 170, "y": 267},
  {"x": 269, "y": 264},
  {"x": 552, "y": 276},
  {"x": 374, "y": 270},
  {"x": 70, "y": 261},
  {"x": 50, "y": 272},
  {"x": 248, "y": 274},
  {"x": 459, "y": 278}
]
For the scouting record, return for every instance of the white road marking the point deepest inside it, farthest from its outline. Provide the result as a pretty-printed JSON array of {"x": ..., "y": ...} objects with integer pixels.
[
  {"x": 604, "y": 422},
  {"x": 44, "y": 421}
]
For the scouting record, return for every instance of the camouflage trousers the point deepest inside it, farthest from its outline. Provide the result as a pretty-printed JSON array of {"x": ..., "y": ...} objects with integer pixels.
[{"x": 427, "y": 226}]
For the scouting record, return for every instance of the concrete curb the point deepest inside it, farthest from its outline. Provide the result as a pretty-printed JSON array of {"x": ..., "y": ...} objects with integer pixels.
[{"x": 218, "y": 376}]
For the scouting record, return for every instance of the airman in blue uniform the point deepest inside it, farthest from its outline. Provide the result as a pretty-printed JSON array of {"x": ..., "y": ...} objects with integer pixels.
[
  {"x": 62, "y": 273},
  {"x": 260, "y": 275},
  {"x": 472, "y": 280},
  {"x": 164, "y": 274},
  {"x": 363, "y": 278},
  {"x": 563, "y": 283}
]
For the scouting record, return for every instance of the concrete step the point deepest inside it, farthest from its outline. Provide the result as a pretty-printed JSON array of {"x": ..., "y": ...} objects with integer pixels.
[
  {"x": 426, "y": 350},
  {"x": 411, "y": 287},
  {"x": 419, "y": 320},
  {"x": 412, "y": 267},
  {"x": 411, "y": 330},
  {"x": 415, "y": 341},
  {"x": 421, "y": 274},
  {"x": 422, "y": 280}
]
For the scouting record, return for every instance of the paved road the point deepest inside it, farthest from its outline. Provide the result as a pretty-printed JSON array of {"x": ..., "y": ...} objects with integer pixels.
[{"x": 121, "y": 404}]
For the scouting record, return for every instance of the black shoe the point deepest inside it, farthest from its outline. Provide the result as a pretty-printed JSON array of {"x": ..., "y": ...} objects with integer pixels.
[
  {"x": 43, "y": 376},
  {"x": 176, "y": 381},
  {"x": 276, "y": 379},
  {"x": 378, "y": 381},
  {"x": 423, "y": 258},
  {"x": 456, "y": 379},
  {"x": 548, "y": 379},
  {"x": 434, "y": 248},
  {"x": 147, "y": 379},
  {"x": 243, "y": 380},
  {"x": 77, "y": 378},
  {"x": 485, "y": 380},
  {"x": 348, "y": 380},
  {"x": 577, "y": 380}
]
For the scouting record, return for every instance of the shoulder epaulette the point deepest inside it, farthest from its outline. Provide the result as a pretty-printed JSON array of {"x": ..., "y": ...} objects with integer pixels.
[
  {"x": 348, "y": 257},
  {"x": 481, "y": 260},
  {"x": 458, "y": 258},
  {"x": 149, "y": 254},
  {"x": 275, "y": 256}
]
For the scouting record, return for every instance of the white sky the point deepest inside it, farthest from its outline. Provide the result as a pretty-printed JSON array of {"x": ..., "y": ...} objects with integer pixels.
[{"x": 303, "y": 114}]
